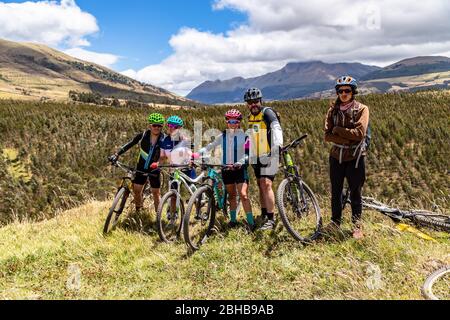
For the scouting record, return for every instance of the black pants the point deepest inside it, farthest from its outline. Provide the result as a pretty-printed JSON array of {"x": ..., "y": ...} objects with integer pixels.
[{"x": 356, "y": 179}]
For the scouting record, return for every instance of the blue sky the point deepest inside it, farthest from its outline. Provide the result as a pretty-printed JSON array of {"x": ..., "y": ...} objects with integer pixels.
[
  {"x": 139, "y": 31},
  {"x": 177, "y": 44},
  {"x": 142, "y": 37}
]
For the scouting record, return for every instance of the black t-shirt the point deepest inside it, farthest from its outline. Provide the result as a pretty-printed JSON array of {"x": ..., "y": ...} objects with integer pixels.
[{"x": 148, "y": 153}]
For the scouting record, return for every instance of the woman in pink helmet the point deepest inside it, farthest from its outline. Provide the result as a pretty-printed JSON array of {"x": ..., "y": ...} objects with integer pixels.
[{"x": 234, "y": 146}]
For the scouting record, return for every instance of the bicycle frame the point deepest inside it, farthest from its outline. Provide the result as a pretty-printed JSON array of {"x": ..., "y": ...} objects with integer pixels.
[
  {"x": 291, "y": 170},
  {"x": 219, "y": 193}
]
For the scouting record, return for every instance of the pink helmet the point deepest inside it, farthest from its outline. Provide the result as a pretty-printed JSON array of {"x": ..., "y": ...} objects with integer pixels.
[{"x": 234, "y": 114}]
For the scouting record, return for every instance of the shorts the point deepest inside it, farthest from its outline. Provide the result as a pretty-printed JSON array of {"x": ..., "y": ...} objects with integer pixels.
[
  {"x": 154, "y": 178},
  {"x": 258, "y": 168},
  {"x": 230, "y": 177}
]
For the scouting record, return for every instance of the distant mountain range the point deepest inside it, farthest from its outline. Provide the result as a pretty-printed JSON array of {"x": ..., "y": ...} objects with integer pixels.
[
  {"x": 33, "y": 71},
  {"x": 316, "y": 79}
]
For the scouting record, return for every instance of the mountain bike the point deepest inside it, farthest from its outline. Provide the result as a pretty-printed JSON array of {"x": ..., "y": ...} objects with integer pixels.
[
  {"x": 296, "y": 202},
  {"x": 437, "y": 285},
  {"x": 124, "y": 190},
  {"x": 423, "y": 218},
  {"x": 205, "y": 202},
  {"x": 171, "y": 209}
]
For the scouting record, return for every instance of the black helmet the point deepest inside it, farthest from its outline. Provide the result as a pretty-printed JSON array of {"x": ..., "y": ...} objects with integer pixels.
[{"x": 253, "y": 94}]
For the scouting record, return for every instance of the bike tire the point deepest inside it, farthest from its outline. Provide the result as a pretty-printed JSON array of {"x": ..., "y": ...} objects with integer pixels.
[
  {"x": 427, "y": 289},
  {"x": 196, "y": 231},
  {"x": 114, "y": 213},
  {"x": 432, "y": 222},
  {"x": 162, "y": 223},
  {"x": 282, "y": 192}
]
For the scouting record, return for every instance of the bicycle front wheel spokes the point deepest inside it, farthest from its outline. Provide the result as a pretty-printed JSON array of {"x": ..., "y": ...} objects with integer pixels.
[
  {"x": 299, "y": 209},
  {"x": 169, "y": 217},
  {"x": 116, "y": 211},
  {"x": 199, "y": 219}
]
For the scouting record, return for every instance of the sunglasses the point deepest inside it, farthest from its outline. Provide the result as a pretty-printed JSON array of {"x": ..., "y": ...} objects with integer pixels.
[
  {"x": 157, "y": 126},
  {"x": 233, "y": 122},
  {"x": 252, "y": 102},
  {"x": 173, "y": 126},
  {"x": 347, "y": 91}
]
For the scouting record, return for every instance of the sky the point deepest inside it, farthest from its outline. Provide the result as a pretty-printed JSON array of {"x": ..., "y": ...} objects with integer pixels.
[{"x": 178, "y": 44}]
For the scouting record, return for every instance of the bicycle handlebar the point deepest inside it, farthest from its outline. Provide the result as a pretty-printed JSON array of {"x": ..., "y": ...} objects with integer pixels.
[
  {"x": 294, "y": 144},
  {"x": 129, "y": 169}
]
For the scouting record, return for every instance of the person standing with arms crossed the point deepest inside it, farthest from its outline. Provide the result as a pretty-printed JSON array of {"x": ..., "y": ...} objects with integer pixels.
[{"x": 346, "y": 127}]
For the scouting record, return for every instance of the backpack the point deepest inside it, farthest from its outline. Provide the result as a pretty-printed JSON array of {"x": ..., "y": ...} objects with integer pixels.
[{"x": 276, "y": 113}]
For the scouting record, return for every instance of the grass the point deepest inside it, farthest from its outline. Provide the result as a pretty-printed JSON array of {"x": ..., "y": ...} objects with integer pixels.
[{"x": 68, "y": 258}]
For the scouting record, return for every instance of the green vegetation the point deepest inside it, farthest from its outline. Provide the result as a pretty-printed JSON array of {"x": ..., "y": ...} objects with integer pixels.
[
  {"x": 67, "y": 146},
  {"x": 68, "y": 258},
  {"x": 63, "y": 148}
]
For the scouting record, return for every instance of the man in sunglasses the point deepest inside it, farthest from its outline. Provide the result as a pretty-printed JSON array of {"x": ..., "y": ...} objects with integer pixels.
[
  {"x": 346, "y": 128},
  {"x": 150, "y": 143},
  {"x": 266, "y": 139}
]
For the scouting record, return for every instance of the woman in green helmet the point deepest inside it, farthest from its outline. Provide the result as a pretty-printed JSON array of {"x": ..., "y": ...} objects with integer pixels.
[{"x": 150, "y": 151}]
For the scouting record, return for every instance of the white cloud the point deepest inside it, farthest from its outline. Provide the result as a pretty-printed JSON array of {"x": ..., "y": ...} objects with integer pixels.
[
  {"x": 104, "y": 59},
  {"x": 49, "y": 22},
  {"x": 59, "y": 24},
  {"x": 280, "y": 31}
]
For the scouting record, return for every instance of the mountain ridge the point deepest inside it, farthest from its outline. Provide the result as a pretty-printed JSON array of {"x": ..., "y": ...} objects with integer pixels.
[
  {"x": 314, "y": 79},
  {"x": 34, "y": 71}
]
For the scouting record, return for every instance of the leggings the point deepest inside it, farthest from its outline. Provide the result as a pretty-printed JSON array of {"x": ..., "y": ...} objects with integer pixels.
[{"x": 356, "y": 179}]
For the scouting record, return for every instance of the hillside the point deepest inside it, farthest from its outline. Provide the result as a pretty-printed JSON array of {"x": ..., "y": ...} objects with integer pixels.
[
  {"x": 316, "y": 80},
  {"x": 33, "y": 72},
  {"x": 68, "y": 258},
  {"x": 63, "y": 163},
  {"x": 411, "y": 67},
  {"x": 295, "y": 80}
]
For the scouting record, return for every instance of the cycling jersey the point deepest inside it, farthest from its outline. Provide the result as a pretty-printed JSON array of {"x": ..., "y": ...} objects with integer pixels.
[
  {"x": 265, "y": 132},
  {"x": 234, "y": 147},
  {"x": 178, "y": 152},
  {"x": 148, "y": 153}
]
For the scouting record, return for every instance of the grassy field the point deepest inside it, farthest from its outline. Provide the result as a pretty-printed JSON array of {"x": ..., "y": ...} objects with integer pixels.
[
  {"x": 56, "y": 187},
  {"x": 68, "y": 258}
]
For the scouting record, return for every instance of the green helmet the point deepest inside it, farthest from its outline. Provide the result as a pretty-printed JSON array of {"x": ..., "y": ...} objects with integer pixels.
[{"x": 156, "y": 118}]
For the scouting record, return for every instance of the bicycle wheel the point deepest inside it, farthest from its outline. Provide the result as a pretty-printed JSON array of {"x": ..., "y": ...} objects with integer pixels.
[
  {"x": 169, "y": 219},
  {"x": 428, "y": 219},
  {"x": 116, "y": 210},
  {"x": 199, "y": 218},
  {"x": 299, "y": 209},
  {"x": 437, "y": 285}
]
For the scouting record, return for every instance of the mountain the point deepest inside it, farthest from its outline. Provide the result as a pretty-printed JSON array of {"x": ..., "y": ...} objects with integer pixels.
[
  {"x": 411, "y": 67},
  {"x": 295, "y": 80},
  {"x": 315, "y": 80},
  {"x": 33, "y": 71}
]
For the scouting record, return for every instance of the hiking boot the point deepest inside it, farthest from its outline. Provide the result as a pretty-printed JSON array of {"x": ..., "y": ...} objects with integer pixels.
[
  {"x": 358, "y": 232},
  {"x": 252, "y": 227},
  {"x": 268, "y": 226},
  {"x": 232, "y": 225},
  {"x": 261, "y": 220}
]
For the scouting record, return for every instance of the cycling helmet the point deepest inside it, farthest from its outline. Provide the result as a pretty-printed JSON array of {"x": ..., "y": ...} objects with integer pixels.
[
  {"x": 253, "y": 94},
  {"x": 175, "y": 120},
  {"x": 234, "y": 114},
  {"x": 156, "y": 118},
  {"x": 347, "y": 81}
]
